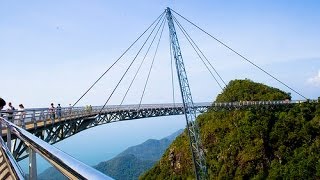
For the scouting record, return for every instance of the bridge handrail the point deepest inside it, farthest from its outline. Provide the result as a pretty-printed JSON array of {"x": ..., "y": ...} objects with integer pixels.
[
  {"x": 65, "y": 163},
  {"x": 13, "y": 164}
]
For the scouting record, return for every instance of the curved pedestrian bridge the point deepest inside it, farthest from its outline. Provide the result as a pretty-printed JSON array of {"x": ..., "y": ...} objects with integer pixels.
[{"x": 32, "y": 119}]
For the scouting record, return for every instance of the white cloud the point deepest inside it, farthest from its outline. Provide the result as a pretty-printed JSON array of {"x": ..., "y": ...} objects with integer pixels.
[{"x": 315, "y": 80}]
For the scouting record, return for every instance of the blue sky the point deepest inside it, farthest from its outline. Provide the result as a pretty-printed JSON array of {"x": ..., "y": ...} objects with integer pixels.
[{"x": 52, "y": 51}]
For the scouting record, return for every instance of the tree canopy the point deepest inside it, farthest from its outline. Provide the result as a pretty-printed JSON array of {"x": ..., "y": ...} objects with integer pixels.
[
  {"x": 273, "y": 142},
  {"x": 247, "y": 90}
]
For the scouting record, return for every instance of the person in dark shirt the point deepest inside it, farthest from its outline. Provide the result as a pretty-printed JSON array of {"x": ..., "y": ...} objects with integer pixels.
[
  {"x": 52, "y": 111},
  {"x": 2, "y": 103},
  {"x": 59, "y": 111}
]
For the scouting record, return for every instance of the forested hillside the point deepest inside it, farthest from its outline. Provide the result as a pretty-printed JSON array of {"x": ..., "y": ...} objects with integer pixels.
[
  {"x": 270, "y": 142},
  {"x": 135, "y": 160},
  {"x": 247, "y": 90}
]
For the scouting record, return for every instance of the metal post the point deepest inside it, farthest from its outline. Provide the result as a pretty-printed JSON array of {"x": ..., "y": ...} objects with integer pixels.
[
  {"x": 45, "y": 120},
  {"x": 32, "y": 164},
  {"x": 42, "y": 117},
  {"x": 34, "y": 119},
  {"x": 9, "y": 137},
  {"x": 190, "y": 113},
  {"x": 23, "y": 123}
]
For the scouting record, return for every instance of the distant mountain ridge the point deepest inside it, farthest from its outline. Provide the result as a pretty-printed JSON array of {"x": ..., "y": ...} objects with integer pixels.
[
  {"x": 135, "y": 160},
  {"x": 151, "y": 149},
  {"x": 130, "y": 163}
]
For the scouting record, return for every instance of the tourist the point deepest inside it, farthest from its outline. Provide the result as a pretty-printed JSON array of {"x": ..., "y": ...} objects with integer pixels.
[
  {"x": 2, "y": 104},
  {"x": 10, "y": 110},
  {"x": 52, "y": 111},
  {"x": 70, "y": 109},
  {"x": 20, "y": 115},
  {"x": 59, "y": 111}
]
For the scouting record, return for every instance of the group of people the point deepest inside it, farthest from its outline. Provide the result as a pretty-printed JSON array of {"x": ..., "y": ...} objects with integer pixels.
[
  {"x": 12, "y": 113},
  {"x": 57, "y": 111},
  {"x": 53, "y": 111}
]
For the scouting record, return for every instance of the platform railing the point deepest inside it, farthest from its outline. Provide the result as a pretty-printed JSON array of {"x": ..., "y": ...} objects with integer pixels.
[
  {"x": 34, "y": 115},
  {"x": 66, "y": 164}
]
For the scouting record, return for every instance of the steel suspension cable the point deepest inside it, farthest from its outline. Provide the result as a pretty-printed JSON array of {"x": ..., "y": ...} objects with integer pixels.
[
  {"x": 129, "y": 66},
  {"x": 141, "y": 63},
  {"x": 240, "y": 55},
  {"x": 187, "y": 37},
  {"x": 172, "y": 81},
  {"x": 158, "y": 18},
  {"x": 181, "y": 27},
  {"x": 155, "y": 53}
]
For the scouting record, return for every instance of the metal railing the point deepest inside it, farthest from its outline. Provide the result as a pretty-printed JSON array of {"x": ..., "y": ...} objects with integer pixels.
[
  {"x": 35, "y": 115},
  {"x": 257, "y": 103},
  {"x": 63, "y": 162}
]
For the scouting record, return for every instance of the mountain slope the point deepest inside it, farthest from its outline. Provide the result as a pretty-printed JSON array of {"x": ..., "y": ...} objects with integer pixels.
[
  {"x": 151, "y": 149},
  {"x": 259, "y": 143},
  {"x": 125, "y": 167},
  {"x": 130, "y": 163},
  {"x": 135, "y": 160},
  {"x": 51, "y": 174}
]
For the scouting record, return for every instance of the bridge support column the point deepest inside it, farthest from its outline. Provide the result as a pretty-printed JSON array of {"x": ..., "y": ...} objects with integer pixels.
[
  {"x": 32, "y": 164},
  {"x": 189, "y": 109}
]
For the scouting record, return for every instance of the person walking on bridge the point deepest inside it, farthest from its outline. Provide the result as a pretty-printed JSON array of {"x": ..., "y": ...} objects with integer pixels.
[
  {"x": 2, "y": 103},
  {"x": 19, "y": 120},
  {"x": 59, "y": 111},
  {"x": 10, "y": 110},
  {"x": 52, "y": 112},
  {"x": 70, "y": 109}
]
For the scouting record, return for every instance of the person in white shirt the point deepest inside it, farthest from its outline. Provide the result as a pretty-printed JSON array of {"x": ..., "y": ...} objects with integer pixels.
[{"x": 20, "y": 115}]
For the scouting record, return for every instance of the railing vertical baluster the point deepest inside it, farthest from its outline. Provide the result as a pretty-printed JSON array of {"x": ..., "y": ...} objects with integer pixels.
[
  {"x": 23, "y": 124},
  {"x": 34, "y": 119},
  {"x": 9, "y": 138},
  {"x": 32, "y": 164},
  {"x": 45, "y": 119},
  {"x": 52, "y": 117}
]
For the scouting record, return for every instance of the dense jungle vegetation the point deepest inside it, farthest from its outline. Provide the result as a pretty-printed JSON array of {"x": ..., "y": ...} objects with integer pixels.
[{"x": 269, "y": 142}]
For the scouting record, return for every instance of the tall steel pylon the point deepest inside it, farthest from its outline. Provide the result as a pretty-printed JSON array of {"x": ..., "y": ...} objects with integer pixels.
[{"x": 190, "y": 113}]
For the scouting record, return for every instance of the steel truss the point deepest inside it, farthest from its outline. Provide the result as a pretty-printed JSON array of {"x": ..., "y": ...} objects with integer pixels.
[{"x": 193, "y": 130}]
